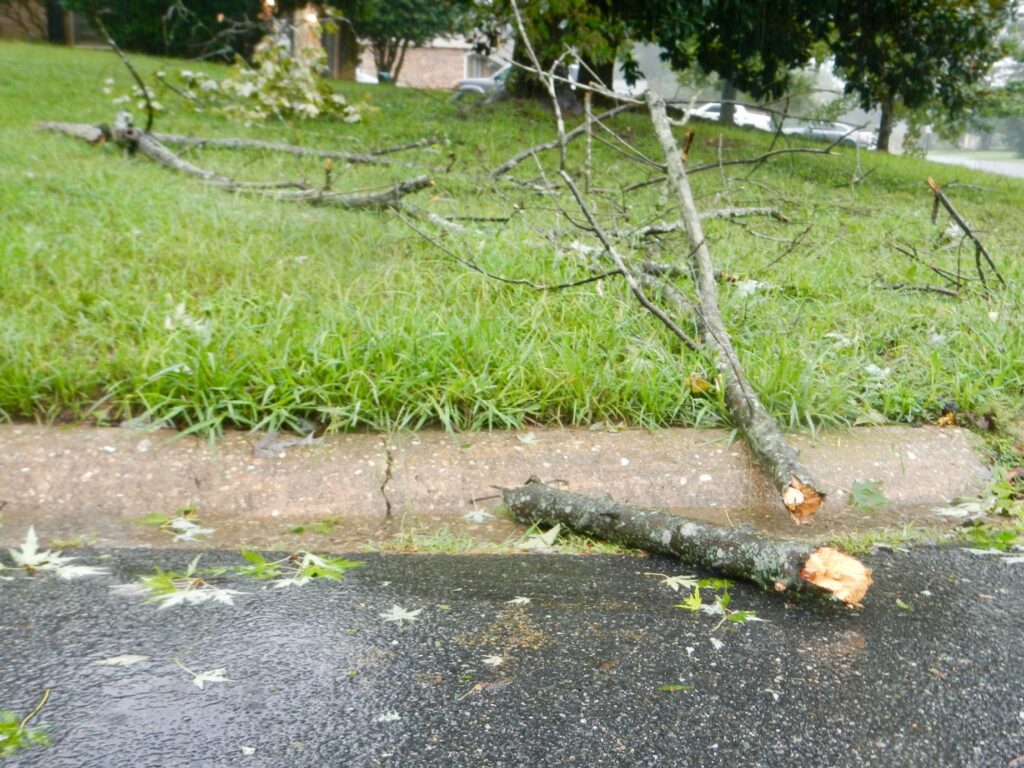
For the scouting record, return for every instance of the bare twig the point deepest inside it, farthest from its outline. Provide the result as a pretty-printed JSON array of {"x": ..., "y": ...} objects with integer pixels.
[
  {"x": 575, "y": 133},
  {"x": 979, "y": 248},
  {"x": 744, "y": 161},
  {"x": 366, "y": 158},
  {"x": 923, "y": 289},
  {"x": 102, "y": 29},
  {"x": 627, "y": 273},
  {"x": 470, "y": 264}
]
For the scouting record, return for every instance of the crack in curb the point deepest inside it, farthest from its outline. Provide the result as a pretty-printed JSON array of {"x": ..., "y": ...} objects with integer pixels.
[{"x": 390, "y": 454}]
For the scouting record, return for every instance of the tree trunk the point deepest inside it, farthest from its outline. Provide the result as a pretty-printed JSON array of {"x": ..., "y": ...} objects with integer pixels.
[
  {"x": 738, "y": 552},
  {"x": 401, "y": 60},
  {"x": 728, "y": 103},
  {"x": 888, "y": 105}
]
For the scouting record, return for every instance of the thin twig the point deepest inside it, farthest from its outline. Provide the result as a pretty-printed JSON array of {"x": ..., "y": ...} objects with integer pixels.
[
  {"x": 470, "y": 264},
  {"x": 35, "y": 710},
  {"x": 922, "y": 288},
  {"x": 102, "y": 29},
  {"x": 626, "y": 272},
  {"x": 979, "y": 248}
]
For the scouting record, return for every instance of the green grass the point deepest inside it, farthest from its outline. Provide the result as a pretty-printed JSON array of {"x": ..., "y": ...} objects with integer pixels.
[{"x": 350, "y": 319}]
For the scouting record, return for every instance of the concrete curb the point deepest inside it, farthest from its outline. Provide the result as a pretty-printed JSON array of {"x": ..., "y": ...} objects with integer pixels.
[{"x": 72, "y": 481}]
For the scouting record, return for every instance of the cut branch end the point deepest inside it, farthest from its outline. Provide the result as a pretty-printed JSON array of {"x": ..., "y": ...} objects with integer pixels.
[
  {"x": 802, "y": 501},
  {"x": 844, "y": 577}
]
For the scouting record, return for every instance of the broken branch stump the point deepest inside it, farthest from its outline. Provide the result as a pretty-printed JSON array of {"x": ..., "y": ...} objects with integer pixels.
[{"x": 742, "y": 553}]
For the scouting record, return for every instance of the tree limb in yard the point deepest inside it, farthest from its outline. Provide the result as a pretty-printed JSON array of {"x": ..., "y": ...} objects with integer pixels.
[
  {"x": 800, "y": 492},
  {"x": 773, "y": 563},
  {"x": 126, "y": 135}
]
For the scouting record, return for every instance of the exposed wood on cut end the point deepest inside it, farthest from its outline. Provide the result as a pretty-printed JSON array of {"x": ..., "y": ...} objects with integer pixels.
[
  {"x": 845, "y": 577},
  {"x": 802, "y": 501},
  {"x": 774, "y": 563}
]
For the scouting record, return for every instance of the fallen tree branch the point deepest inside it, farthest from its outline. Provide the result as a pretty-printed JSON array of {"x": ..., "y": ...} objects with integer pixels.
[
  {"x": 773, "y": 563},
  {"x": 580, "y": 130},
  {"x": 126, "y": 135},
  {"x": 800, "y": 492},
  {"x": 979, "y": 248}
]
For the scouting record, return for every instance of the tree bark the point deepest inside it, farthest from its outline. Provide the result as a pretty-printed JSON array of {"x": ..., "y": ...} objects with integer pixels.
[
  {"x": 737, "y": 552},
  {"x": 888, "y": 105},
  {"x": 728, "y": 103},
  {"x": 800, "y": 493}
]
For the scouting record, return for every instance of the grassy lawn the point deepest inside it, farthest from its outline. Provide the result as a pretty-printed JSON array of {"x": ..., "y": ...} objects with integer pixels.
[{"x": 351, "y": 319}]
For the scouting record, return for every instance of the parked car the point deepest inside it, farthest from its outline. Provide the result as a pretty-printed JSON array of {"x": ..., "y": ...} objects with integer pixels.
[
  {"x": 484, "y": 84},
  {"x": 833, "y": 132},
  {"x": 741, "y": 115}
]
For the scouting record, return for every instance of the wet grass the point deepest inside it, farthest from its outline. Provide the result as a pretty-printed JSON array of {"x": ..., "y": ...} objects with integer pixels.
[{"x": 353, "y": 321}]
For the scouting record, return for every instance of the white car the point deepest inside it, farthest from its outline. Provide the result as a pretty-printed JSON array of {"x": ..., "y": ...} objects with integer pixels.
[{"x": 741, "y": 115}]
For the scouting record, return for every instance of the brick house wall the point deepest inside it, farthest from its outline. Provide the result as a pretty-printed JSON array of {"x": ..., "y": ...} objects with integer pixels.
[{"x": 436, "y": 68}]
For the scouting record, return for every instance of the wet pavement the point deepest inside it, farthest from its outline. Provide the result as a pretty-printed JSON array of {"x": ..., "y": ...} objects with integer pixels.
[
  {"x": 930, "y": 672},
  {"x": 1011, "y": 167}
]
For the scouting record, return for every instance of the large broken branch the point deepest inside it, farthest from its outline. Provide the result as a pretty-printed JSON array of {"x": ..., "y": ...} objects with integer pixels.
[
  {"x": 738, "y": 552},
  {"x": 126, "y": 135},
  {"x": 800, "y": 492}
]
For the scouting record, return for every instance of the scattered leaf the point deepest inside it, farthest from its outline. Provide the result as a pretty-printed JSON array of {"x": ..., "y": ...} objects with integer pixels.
[
  {"x": 493, "y": 660},
  {"x": 867, "y": 496},
  {"x": 389, "y": 717},
  {"x": 478, "y": 516},
  {"x": 518, "y": 601},
  {"x": 401, "y": 615},
  {"x": 902, "y": 605}
]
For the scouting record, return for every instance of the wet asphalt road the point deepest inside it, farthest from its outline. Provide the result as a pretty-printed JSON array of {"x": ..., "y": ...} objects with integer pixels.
[{"x": 320, "y": 679}]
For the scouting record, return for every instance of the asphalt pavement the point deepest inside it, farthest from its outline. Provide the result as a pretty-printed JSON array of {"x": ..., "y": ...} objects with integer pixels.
[{"x": 595, "y": 667}]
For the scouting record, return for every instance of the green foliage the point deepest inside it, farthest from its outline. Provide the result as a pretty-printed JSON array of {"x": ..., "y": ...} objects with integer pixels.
[
  {"x": 867, "y": 496},
  {"x": 16, "y": 734},
  {"x": 206, "y": 28},
  {"x": 279, "y": 83},
  {"x": 988, "y": 537},
  {"x": 934, "y": 52}
]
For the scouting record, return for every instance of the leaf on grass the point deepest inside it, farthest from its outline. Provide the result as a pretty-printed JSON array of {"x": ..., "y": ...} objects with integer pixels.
[
  {"x": 867, "y": 496},
  {"x": 124, "y": 660},
  {"x": 401, "y": 615}
]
